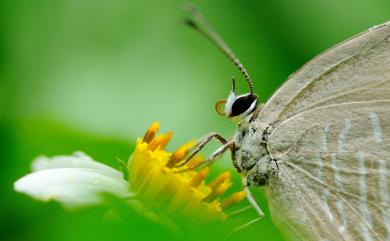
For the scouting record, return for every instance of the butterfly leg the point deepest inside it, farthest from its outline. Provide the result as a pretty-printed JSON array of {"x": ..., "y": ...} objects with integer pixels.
[
  {"x": 251, "y": 199},
  {"x": 202, "y": 143},
  {"x": 239, "y": 211},
  {"x": 241, "y": 227},
  {"x": 215, "y": 155}
]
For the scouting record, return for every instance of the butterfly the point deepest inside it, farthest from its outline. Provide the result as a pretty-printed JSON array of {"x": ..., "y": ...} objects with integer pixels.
[{"x": 320, "y": 145}]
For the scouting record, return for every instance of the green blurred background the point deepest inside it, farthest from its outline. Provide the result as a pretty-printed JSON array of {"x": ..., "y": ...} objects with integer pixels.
[{"x": 92, "y": 75}]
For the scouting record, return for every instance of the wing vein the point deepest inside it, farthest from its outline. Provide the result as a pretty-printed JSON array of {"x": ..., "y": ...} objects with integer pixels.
[
  {"x": 308, "y": 174},
  {"x": 353, "y": 91},
  {"x": 308, "y": 87},
  {"x": 364, "y": 222}
]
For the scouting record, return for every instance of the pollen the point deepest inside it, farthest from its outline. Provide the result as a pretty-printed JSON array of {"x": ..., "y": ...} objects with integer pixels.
[
  {"x": 158, "y": 179},
  {"x": 149, "y": 135},
  {"x": 234, "y": 199},
  {"x": 180, "y": 153},
  {"x": 197, "y": 180}
]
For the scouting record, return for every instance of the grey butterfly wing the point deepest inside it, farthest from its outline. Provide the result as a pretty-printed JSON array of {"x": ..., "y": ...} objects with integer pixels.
[
  {"x": 355, "y": 70},
  {"x": 330, "y": 92},
  {"x": 334, "y": 173}
]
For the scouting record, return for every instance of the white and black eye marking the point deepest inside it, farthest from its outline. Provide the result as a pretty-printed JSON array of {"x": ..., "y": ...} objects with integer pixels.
[
  {"x": 242, "y": 104},
  {"x": 239, "y": 106}
]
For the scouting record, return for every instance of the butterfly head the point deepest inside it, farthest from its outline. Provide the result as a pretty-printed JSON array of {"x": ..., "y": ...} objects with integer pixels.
[{"x": 237, "y": 107}]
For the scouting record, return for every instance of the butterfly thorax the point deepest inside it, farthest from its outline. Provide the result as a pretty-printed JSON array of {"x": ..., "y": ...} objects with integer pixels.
[{"x": 253, "y": 160}]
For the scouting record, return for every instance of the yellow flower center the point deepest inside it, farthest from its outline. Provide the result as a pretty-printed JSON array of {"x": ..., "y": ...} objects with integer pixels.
[{"x": 164, "y": 187}]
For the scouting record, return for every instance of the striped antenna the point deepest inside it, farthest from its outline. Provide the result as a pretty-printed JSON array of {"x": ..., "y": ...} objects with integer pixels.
[{"x": 202, "y": 26}]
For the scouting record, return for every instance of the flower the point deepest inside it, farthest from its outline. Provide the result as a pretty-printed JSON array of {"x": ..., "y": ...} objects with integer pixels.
[
  {"x": 72, "y": 180},
  {"x": 177, "y": 190},
  {"x": 158, "y": 179}
]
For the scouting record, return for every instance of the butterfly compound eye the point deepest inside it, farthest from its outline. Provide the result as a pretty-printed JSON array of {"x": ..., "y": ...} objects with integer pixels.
[{"x": 243, "y": 104}]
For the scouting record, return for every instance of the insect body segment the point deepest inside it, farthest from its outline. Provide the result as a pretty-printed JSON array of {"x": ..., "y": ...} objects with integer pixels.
[{"x": 253, "y": 157}]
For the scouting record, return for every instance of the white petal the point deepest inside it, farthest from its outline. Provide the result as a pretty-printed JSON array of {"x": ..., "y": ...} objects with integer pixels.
[
  {"x": 77, "y": 160},
  {"x": 72, "y": 186}
]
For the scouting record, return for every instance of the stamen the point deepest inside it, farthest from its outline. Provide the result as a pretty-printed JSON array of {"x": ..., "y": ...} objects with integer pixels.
[
  {"x": 149, "y": 135},
  {"x": 218, "y": 191},
  {"x": 220, "y": 179},
  {"x": 198, "y": 178},
  {"x": 195, "y": 161},
  {"x": 180, "y": 153},
  {"x": 156, "y": 142},
  {"x": 166, "y": 138},
  {"x": 233, "y": 200}
]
